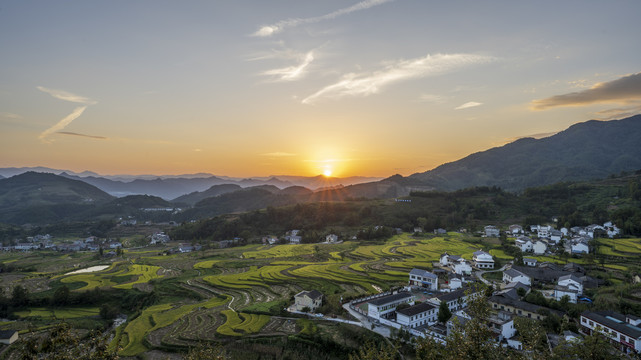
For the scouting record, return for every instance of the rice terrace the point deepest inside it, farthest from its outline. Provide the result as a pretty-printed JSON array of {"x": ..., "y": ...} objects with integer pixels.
[{"x": 179, "y": 300}]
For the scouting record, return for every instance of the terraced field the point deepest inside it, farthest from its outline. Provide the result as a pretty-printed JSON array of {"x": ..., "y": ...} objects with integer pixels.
[{"x": 240, "y": 292}]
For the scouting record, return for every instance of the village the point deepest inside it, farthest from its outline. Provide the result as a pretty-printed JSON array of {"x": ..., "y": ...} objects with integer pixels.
[{"x": 434, "y": 302}]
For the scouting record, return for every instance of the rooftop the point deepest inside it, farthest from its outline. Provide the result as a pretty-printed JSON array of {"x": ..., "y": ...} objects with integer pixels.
[
  {"x": 416, "y": 309},
  {"x": 390, "y": 298},
  {"x": 614, "y": 321}
]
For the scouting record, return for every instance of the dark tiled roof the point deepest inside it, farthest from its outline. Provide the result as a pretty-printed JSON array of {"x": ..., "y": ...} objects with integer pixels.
[
  {"x": 314, "y": 294},
  {"x": 423, "y": 273},
  {"x": 6, "y": 334},
  {"x": 416, "y": 309},
  {"x": 523, "y": 305},
  {"x": 390, "y": 298},
  {"x": 513, "y": 273},
  {"x": 614, "y": 321}
]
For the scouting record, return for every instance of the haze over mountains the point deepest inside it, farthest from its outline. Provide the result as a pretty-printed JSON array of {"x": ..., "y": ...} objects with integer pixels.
[
  {"x": 170, "y": 187},
  {"x": 588, "y": 150}
]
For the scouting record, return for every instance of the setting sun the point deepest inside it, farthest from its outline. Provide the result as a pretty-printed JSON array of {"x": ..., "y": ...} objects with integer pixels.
[{"x": 327, "y": 172}]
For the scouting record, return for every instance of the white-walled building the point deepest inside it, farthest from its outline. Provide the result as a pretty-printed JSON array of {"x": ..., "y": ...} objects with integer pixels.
[
  {"x": 422, "y": 278},
  {"x": 513, "y": 275},
  {"x": 492, "y": 231},
  {"x": 483, "y": 260},
  {"x": 625, "y": 330},
  {"x": 539, "y": 247},
  {"x": 524, "y": 243},
  {"x": 383, "y": 306},
  {"x": 462, "y": 267},
  {"x": 417, "y": 315}
]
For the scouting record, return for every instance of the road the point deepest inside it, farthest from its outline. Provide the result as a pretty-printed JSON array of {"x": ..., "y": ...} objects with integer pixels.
[{"x": 479, "y": 274}]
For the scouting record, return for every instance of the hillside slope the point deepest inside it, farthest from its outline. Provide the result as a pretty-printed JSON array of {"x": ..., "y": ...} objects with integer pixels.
[{"x": 589, "y": 150}]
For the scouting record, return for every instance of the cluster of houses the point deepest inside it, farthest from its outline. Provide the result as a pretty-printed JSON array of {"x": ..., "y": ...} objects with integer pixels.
[
  {"x": 45, "y": 242},
  {"x": 293, "y": 237},
  {"x": 541, "y": 239}
]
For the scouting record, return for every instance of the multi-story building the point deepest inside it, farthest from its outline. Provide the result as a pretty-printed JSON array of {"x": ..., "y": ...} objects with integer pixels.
[
  {"x": 622, "y": 330},
  {"x": 385, "y": 306},
  {"x": 417, "y": 315},
  {"x": 424, "y": 279}
]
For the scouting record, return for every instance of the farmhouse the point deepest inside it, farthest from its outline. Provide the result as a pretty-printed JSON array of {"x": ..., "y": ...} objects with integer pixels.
[
  {"x": 539, "y": 247},
  {"x": 529, "y": 262},
  {"x": 483, "y": 260},
  {"x": 492, "y": 231},
  {"x": 513, "y": 275},
  {"x": 385, "y": 306},
  {"x": 308, "y": 299},
  {"x": 417, "y": 315},
  {"x": 455, "y": 300},
  {"x": 8, "y": 337},
  {"x": 623, "y": 330},
  {"x": 424, "y": 279},
  {"x": 331, "y": 238},
  {"x": 515, "y": 229},
  {"x": 524, "y": 243}
]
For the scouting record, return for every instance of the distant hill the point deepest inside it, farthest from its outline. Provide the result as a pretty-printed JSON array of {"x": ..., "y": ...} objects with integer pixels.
[
  {"x": 142, "y": 201},
  {"x": 39, "y": 197},
  {"x": 253, "y": 198},
  {"x": 588, "y": 150},
  {"x": 196, "y": 196}
]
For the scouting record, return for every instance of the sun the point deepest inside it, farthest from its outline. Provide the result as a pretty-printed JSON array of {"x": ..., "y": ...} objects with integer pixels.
[{"x": 327, "y": 172}]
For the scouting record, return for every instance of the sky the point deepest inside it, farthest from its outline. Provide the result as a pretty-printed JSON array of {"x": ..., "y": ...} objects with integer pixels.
[{"x": 257, "y": 88}]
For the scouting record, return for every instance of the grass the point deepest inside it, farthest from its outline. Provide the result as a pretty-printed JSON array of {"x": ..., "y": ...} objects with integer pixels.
[{"x": 61, "y": 313}]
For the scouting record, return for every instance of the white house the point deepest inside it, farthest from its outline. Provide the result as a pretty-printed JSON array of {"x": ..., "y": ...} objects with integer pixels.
[
  {"x": 455, "y": 283},
  {"x": 530, "y": 262},
  {"x": 424, "y": 279},
  {"x": 565, "y": 231},
  {"x": 502, "y": 324},
  {"x": 295, "y": 239},
  {"x": 544, "y": 231},
  {"x": 578, "y": 245},
  {"x": 311, "y": 300},
  {"x": 524, "y": 243},
  {"x": 331, "y": 238},
  {"x": 417, "y": 315},
  {"x": 384, "y": 306},
  {"x": 8, "y": 337},
  {"x": 483, "y": 260},
  {"x": 462, "y": 267},
  {"x": 571, "y": 281},
  {"x": 622, "y": 329},
  {"x": 492, "y": 231},
  {"x": 560, "y": 291},
  {"x": 539, "y": 247},
  {"x": 455, "y": 300},
  {"x": 515, "y": 229},
  {"x": 449, "y": 260},
  {"x": 555, "y": 236},
  {"x": 513, "y": 275}
]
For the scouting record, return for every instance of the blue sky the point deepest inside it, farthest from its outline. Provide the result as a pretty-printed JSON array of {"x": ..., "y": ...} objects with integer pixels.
[{"x": 253, "y": 88}]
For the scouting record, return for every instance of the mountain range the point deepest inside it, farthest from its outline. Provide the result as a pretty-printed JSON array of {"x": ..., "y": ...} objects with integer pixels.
[{"x": 589, "y": 150}]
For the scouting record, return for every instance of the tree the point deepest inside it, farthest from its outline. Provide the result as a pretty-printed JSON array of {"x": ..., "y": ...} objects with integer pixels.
[
  {"x": 444, "y": 312},
  {"x": 373, "y": 351},
  {"x": 61, "y": 296},
  {"x": 19, "y": 296}
]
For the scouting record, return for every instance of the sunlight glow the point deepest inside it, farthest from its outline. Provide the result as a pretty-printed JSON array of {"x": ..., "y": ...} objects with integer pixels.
[{"x": 327, "y": 172}]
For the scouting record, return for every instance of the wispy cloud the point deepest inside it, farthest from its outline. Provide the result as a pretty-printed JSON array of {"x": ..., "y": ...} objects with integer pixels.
[
  {"x": 292, "y": 73},
  {"x": 371, "y": 83},
  {"x": 82, "y": 135},
  {"x": 430, "y": 98},
  {"x": 619, "y": 113},
  {"x": 10, "y": 116},
  {"x": 623, "y": 90},
  {"x": 468, "y": 105},
  {"x": 278, "y": 154},
  {"x": 269, "y": 30},
  {"x": 67, "y": 96},
  {"x": 62, "y": 123}
]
